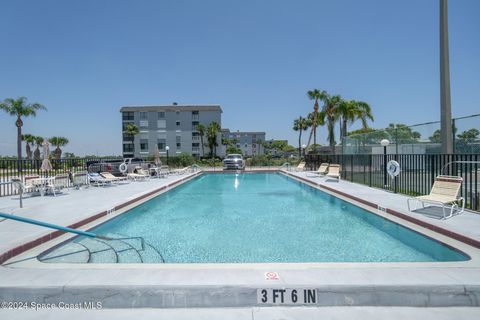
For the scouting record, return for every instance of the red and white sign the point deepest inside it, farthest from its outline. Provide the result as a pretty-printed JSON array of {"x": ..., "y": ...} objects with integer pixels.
[{"x": 272, "y": 276}]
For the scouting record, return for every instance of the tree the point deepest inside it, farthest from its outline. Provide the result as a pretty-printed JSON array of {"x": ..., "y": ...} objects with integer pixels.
[
  {"x": 401, "y": 133},
  {"x": 436, "y": 136},
  {"x": 234, "y": 150},
  {"x": 469, "y": 136},
  {"x": 212, "y": 132},
  {"x": 20, "y": 108},
  {"x": 329, "y": 115},
  {"x": 29, "y": 139},
  {"x": 368, "y": 135},
  {"x": 201, "y": 132},
  {"x": 58, "y": 142},
  {"x": 351, "y": 110},
  {"x": 301, "y": 124},
  {"x": 315, "y": 95},
  {"x": 131, "y": 129},
  {"x": 38, "y": 143}
]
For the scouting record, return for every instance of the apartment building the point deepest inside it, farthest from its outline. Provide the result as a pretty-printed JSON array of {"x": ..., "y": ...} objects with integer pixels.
[
  {"x": 251, "y": 143},
  {"x": 173, "y": 126}
]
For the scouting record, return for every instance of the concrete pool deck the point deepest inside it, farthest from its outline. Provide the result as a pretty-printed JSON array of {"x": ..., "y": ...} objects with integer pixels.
[{"x": 226, "y": 285}]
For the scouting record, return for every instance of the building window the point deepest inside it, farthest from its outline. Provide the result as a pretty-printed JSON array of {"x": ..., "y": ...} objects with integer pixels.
[
  {"x": 127, "y": 137},
  {"x": 179, "y": 145},
  {"x": 161, "y": 124},
  {"x": 161, "y": 143},
  {"x": 178, "y": 123},
  {"x": 143, "y": 144},
  {"x": 246, "y": 145},
  {"x": 128, "y": 147},
  {"x": 142, "y": 115},
  {"x": 127, "y": 116},
  {"x": 161, "y": 115},
  {"x": 178, "y": 112}
]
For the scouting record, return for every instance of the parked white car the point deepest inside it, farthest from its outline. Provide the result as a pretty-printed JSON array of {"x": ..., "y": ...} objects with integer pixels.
[{"x": 234, "y": 161}]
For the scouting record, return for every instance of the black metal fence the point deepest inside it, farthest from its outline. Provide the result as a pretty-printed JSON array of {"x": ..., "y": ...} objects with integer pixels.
[
  {"x": 21, "y": 168},
  {"x": 418, "y": 172}
]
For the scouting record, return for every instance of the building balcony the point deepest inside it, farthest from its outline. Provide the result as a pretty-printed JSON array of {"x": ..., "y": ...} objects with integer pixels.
[
  {"x": 143, "y": 123},
  {"x": 195, "y": 116},
  {"x": 195, "y": 138}
]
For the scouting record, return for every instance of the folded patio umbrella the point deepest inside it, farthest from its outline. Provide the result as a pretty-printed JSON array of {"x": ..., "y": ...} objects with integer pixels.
[
  {"x": 46, "y": 164},
  {"x": 157, "y": 160}
]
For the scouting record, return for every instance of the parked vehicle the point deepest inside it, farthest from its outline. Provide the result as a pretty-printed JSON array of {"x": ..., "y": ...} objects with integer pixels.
[
  {"x": 116, "y": 167},
  {"x": 234, "y": 161}
]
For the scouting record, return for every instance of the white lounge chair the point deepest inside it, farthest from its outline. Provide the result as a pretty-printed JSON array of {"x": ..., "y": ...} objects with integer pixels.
[
  {"x": 80, "y": 179},
  {"x": 334, "y": 171},
  {"x": 59, "y": 183},
  {"x": 300, "y": 167},
  {"x": 321, "y": 171},
  {"x": 445, "y": 193},
  {"x": 139, "y": 174},
  {"x": 97, "y": 180},
  {"x": 111, "y": 177},
  {"x": 181, "y": 171},
  {"x": 28, "y": 185}
]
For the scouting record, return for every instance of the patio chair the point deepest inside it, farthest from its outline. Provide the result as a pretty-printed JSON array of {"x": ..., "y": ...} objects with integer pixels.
[
  {"x": 97, "y": 180},
  {"x": 300, "y": 167},
  {"x": 138, "y": 174},
  {"x": 111, "y": 177},
  {"x": 445, "y": 193},
  {"x": 321, "y": 171},
  {"x": 59, "y": 183},
  {"x": 80, "y": 179},
  {"x": 28, "y": 185},
  {"x": 181, "y": 171},
  {"x": 334, "y": 171}
]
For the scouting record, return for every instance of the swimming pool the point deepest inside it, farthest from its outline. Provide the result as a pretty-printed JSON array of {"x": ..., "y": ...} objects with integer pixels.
[{"x": 254, "y": 218}]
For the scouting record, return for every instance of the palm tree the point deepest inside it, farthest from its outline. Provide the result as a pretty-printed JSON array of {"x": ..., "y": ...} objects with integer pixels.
[
  {"x": 131, "y": 129},
  {"x": 58, "y": 142},
  {"x": 350, "y": 111},
  {"x": 29, "y": 139},
  {"x": 201, "y": 132},
  {"x": 38, "y": 143},
  {"x": 329, "y": 115},
  {"x": 300, "y": 124},
  {"x": 212, "y": 132},
  {"x": 316, "y": 95},
  {"x": 20, "y": 108}
]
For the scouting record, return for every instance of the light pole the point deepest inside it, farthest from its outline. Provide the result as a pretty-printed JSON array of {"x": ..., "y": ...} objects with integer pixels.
[
  {"x": 167, "y": 148},
  {"x": 445, "y": 101},
  {"x": 385, "y": 144},
  {"x": 304, "y": 146}
]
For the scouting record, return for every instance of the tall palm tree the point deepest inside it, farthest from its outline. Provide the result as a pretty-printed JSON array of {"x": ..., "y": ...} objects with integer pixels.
[
  {"x": 300, "y": 124},
  {"x": 58, "y": 142},
  {"x": 29, "y": 139},
  {"x": 212, "y": 132},
  {"x": 131, "y": 129},
  {"x": 38, "y": 143},
  {"x": 315, "y": 95},
  {"x": 20, "y": 108},
  {"x": 329, "y": 115},
  {"x": 350, "y": 111},
  {"x": 201, "y": 131}
]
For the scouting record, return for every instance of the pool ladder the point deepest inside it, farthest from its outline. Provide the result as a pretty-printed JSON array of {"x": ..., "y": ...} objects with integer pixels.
[{"x": 103, "y": 239}]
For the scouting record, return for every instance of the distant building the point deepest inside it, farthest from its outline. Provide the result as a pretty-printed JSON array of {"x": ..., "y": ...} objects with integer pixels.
[
  {"x": 174, "y": 126},
  {"x": 273, "y": 151},
  {"x": 251, "y": 143}
]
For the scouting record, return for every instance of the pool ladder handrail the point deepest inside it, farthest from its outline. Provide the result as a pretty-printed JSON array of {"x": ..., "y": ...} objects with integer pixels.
[{"x": 94, "y": 236}]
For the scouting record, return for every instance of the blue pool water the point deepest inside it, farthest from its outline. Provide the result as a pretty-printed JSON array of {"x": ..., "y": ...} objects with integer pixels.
[{"x": 268, "y": 217}]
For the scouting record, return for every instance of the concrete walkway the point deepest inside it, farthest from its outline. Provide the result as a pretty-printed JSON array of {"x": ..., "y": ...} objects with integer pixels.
[{"x": 330, "y": 313}]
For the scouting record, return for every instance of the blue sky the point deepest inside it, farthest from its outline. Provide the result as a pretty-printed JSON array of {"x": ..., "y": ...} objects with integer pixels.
[{"x": 85, "y": 59}]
